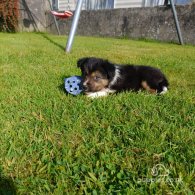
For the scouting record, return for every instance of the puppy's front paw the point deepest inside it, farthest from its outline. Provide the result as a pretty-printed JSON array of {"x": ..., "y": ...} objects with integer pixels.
[{"x": 97, "y": 94}]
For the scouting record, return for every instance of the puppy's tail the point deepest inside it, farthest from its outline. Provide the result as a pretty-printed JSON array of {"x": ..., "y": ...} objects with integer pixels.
[{"x": 163, "y": 86}]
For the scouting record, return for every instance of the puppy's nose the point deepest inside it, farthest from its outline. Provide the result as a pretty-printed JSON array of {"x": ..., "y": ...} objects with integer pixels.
[{"x": 85, "y": 86}]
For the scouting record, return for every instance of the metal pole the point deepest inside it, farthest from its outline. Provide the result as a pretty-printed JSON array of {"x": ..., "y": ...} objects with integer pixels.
[
  {"x": 74, "y": 25},
  {"x": 55, "y": 21},
  {"x": 176, "y": 23}
]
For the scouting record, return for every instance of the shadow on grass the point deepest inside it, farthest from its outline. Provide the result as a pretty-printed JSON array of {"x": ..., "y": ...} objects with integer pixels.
[
  {"x": 61, "y": 87},
  {"x": 53, "y": 42},
  {"x": 7, "y": 186}
]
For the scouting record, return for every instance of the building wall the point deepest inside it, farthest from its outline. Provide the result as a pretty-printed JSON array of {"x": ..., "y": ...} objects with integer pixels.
[
  {"x": 127, "y": 3},
  {"x": 33, "y": 15},
  {"x": 151, "y": 23},
  {"x": 62, "y": 5}
]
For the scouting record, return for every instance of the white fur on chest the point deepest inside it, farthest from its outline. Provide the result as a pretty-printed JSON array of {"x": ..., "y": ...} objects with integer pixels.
[{"x": 116, "y": 76}]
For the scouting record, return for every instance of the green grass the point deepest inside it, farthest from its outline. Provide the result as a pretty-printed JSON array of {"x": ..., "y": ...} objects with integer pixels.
[{"x": 53, "y": 143}]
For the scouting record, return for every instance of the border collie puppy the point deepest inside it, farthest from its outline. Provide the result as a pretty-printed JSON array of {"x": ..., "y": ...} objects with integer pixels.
[{"x": 101, "y": 77}]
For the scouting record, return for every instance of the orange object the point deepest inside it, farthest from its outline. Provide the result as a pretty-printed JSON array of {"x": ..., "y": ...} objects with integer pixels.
[{"x": 65, "y": 14}]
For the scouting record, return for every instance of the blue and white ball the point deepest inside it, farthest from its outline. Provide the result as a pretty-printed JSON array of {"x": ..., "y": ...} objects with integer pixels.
[{"x": 73, "y": 85}]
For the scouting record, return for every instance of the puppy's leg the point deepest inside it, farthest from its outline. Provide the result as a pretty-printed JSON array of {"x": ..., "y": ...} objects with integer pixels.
[
  {"x": 102, "y": 93},
  {"x": 164, "y": 90},
  {"x": 148, "y": 88},
  {"x": 156, "y": 88},
  {"x": 97, "y": 94}
]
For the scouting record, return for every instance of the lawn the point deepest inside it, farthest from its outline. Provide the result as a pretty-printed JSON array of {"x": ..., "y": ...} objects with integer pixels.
[{"x": 130, "y": 143}]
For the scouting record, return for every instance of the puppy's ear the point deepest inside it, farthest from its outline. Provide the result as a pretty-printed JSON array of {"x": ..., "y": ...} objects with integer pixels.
[
  {"x": 109, "y": 68},
  {"x": 81, "y": 62}
]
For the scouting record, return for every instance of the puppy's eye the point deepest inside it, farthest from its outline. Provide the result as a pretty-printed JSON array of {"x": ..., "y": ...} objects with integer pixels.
[{"x": 96, "y": 78}]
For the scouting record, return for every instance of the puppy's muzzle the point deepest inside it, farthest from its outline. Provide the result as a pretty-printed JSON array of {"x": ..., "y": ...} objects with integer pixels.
[{"x": 85, "y": 86}]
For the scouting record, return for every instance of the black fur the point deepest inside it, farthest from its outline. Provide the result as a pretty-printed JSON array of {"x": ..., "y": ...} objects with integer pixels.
[{"x": 130, "y": 77}]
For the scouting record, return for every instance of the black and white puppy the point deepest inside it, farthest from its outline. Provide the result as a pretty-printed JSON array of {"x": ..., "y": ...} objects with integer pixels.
[{"x": 101, "y": 77}]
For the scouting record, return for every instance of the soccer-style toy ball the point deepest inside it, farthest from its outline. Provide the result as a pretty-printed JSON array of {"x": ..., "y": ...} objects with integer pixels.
[{"x": 73, "y": 85}]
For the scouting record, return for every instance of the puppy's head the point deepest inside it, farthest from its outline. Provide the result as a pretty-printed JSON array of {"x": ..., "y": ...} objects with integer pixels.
[{"x": 96, "y": 73}]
